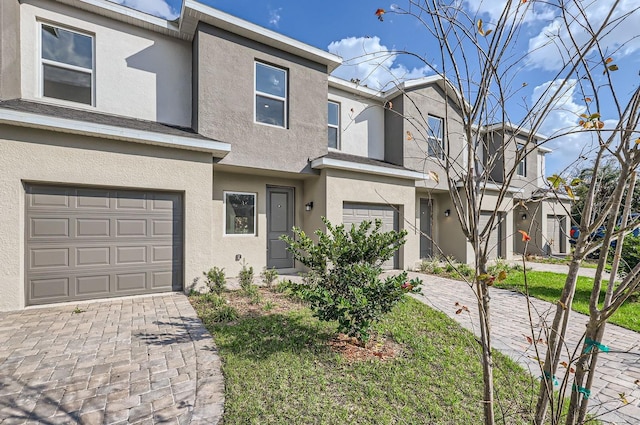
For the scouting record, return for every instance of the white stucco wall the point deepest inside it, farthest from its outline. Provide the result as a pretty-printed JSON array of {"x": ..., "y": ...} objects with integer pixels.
[
  {"x": 64, "y": 159},
  {"x": 137, "y": 73},
  {"x": 362, "y": 131}
]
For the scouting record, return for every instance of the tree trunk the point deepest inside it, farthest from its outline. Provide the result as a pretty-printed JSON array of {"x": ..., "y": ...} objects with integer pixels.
[{"x": 484, "y": 310}]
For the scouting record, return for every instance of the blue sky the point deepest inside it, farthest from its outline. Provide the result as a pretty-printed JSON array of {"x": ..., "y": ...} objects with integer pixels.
[{"x": 349, "y": 28}]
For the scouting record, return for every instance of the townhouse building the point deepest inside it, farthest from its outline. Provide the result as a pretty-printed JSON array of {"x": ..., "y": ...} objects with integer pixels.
[{"x": 139, "y": 152}]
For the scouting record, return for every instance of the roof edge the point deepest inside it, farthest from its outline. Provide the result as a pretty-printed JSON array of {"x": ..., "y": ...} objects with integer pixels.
[
  {"x": 255, "y": 32},
  {"x": 63, "y": 125},
  {"x": 341, "y": 164}
]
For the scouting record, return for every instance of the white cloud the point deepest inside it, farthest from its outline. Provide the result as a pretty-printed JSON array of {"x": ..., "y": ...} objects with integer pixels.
[
  {"x": 372, "y": 63},
  {"x": 522, "y": 12},
  {"x": 274, "y": 17},
  {"x": 571, "y": 146},
  {"x": 547, "y": 50},
  {"x": 153, "y": 7}
]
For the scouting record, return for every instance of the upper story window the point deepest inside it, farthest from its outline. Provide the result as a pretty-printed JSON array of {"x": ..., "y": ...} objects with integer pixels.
[
  {"x": 67, "y": 65},
  {"x": 334, "y": 125},
  {"x": 435, "y": 137},
  {"x": 521, "y": 168},
  {"x": 271, "y": 95}
]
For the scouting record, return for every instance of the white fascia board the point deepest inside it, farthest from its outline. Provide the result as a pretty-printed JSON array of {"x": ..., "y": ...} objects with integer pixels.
[
  {"x": 255, "y": 32},
  {"x": 340, "y": 164},
  {"x": 354, "y": 88},
  {"x": 31, "y": 120},
  {"x": 544, "y": 150},
  {"x": 494, "y": 187},
  {"x": 514, "y": 128}
]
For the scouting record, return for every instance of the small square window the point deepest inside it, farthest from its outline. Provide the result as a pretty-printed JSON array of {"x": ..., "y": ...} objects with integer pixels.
[
  {"x": 240, "y": 213},
  {"x": 66, "y": 65},
  {"x": 334, "y": 125},
  {"x": 435, "y": 137},
  {"x": 271, "y": 95}
]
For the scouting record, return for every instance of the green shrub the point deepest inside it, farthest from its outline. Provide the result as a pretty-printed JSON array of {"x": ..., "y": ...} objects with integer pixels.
[
  {"x": 428, "y": 264},
  {"x": 465, "y": 270},
  {"x": 344, "y": 283},
  {"x": 224, "y": 313},
  {"x": 245, "y": 277},
  {"x": 268, "y": 277},
  {"x": 215, "y": 280},
  {"x": 630, "y": 253},
  {"x": 215, "y": 300}
]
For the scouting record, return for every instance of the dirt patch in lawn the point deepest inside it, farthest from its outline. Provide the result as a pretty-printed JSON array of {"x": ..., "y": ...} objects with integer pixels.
[{"x": 271, "y": 302}]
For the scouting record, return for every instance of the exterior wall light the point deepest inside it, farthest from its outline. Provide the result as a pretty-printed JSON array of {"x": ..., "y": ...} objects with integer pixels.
[
  {"x": 524, "y": 217},
  {"x": 308, "y": 206},
  {"x": 447, "y": 212}
]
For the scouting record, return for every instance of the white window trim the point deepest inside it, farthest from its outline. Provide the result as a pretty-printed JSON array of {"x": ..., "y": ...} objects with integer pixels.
[
  {"x": 42, "y": 61},
  {"x": 336, "y": 126},
  {"x": 224, "y": 214},
  {"x": 440, "y": 140},
  {"x": 257, "y": 93}
]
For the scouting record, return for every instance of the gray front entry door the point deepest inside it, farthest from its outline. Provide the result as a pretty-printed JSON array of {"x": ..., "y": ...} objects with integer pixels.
[
  {"x": 426, "y": 243},
  {"x": 280, "y": 205}
]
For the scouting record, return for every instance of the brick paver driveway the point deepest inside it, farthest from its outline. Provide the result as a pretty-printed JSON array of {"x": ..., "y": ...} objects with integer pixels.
[{"x": 129, "y": 360}]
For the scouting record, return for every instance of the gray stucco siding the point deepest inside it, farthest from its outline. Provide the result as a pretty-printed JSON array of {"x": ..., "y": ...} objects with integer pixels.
[
  {"x": 9, "y": 50},
  {"x": 225, "y": 77}
]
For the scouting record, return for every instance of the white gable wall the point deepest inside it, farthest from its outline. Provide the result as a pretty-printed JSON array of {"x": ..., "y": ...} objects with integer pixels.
[
  {"x": 137, "y": 73},
  {"x": 362, "y": 131}
]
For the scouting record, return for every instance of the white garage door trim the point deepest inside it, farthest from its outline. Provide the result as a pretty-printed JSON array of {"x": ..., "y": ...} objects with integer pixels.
[{"x": 91, "y": 242}]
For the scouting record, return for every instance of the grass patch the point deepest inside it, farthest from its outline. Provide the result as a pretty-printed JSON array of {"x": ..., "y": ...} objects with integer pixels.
[
  {"x": 548, "y": 286},
  {"x": 280, "y": 368}
]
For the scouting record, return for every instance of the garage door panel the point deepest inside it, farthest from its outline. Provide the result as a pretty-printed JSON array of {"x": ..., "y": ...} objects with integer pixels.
[
  {"x": 93, "y": 227},
  {"x": 46, "y": 197},
  {"x": 131, "y": 254},
  {"x": 49, "y": 288},
  {"x": 131, "y": 228},
  {"x": 93, "y": 256},
  {"x": 161, "y": 254},
  {"x": 131, "y": 200},
  {"x": 101, "y": 243},
  {"x": 92, "y": 199},
  {"x": 44, "y": 227},
  {"x": 48, "y": 257},
  {"x": 131, "y": 282},
  {"x": 92, "y": 285}
]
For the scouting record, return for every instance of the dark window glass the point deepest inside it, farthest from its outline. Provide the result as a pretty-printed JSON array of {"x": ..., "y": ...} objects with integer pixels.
[
  {"x": 269, "y": 111},
  {"x": 240, "y": 214}
]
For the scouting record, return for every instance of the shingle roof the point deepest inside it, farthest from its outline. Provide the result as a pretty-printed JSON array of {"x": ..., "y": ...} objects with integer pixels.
[{"x": 63, "y": 112}]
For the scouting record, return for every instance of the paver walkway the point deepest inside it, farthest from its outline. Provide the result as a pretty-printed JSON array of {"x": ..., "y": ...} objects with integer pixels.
[
  {"x": 618, "y": 370},
  {"x": 129, "y": 360}
]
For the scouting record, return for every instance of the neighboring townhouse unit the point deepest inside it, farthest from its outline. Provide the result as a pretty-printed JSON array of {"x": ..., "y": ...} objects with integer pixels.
[{"x": 138, "y": 152}]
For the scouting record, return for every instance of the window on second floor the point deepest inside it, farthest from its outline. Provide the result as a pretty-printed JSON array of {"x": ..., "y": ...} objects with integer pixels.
[
  {"x": 521, "y": 168},
  {"x": 334, "y": 125},
  {"x": 66, "y": 64},
  {"x": 271, "y": 95},
  {"x": 435, "y": 137}
]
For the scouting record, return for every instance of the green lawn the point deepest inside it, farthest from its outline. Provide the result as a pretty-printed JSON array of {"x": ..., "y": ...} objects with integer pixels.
[
  {"x": 548, "y": 286},
  {"x": 279, "y": 369}
]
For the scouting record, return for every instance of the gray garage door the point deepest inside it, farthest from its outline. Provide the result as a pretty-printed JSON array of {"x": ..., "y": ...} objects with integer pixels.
[
  {"x": 84, "y": 243},
  {"x": 357, "y": 213}
]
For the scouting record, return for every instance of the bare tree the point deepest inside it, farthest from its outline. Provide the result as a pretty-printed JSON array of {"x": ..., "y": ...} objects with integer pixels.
[{"x": 480, "y": 62}]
